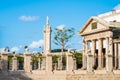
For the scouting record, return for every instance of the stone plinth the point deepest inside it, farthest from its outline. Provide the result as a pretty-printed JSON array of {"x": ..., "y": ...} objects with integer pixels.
[
  {"x": 14, "y": 64},
  {"x": 109, "y": 65},
  {"x": 84, "y": 62},
  {"x": 49, "y": 62},
  {"x": 89, "y": 63},
  {"x": 4, "y": 62},
  {"x": 70, "y": 63},
  {"x": 74, "y": 64},
  {"x": 60, "y": 65},
  {"x": 43, "y": 65},
  {"x": 27, "y": 62}
]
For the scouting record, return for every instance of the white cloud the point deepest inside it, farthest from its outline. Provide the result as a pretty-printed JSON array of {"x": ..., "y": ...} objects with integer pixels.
[
  {"x": 36, "y": 44},
  {"x": 28, "y": 18},
  {"x": 14, "y": 49},
  {"x": 1, "y": 49},
  {"x": 60, "y": 27},
  {"x": 117, "y": 7}
]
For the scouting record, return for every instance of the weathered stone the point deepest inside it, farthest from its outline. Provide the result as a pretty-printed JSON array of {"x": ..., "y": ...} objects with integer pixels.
[
  {"x": 27, "y": 62},
  {"x": 14, "y": 63}
]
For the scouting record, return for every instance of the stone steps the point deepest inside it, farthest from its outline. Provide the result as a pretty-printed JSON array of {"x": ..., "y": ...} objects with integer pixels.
[
  {"x": 94, "y": 77},
  {"x": 47, "y": 77},
  {"x": 13, "y": 77}
]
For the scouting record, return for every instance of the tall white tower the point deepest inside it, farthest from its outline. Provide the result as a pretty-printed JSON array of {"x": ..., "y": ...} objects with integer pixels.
[{"x": 47, "y": 37}]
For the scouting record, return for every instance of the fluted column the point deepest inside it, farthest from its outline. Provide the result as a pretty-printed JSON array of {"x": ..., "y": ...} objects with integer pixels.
[
  {"x": 111, "y": 45},
  {"x": 84, "y": 58},
  {"x": 109, "y": 65},
  {"x": 107, "y": 52},
  {"x": 115, "y": 52},
  {"x": 100, "y": 54},
  {"x": 119, "y": 55},
  {"x": 93, "y": 51},
  {"x": 107, "y": 45}
]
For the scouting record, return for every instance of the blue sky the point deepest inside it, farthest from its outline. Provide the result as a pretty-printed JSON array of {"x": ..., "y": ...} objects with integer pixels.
[{"x": 22, "y": 21}]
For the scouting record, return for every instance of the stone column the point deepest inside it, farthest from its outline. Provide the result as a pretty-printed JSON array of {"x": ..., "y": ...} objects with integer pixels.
[
  {"x": 27, "y": 62},
  {"x": 107, "y": 51},
  {"x": 107, "y": 45},
  {"x": 39, "y": 64},
  {"x": 110, "y": 64},
  {"x": 43, "y": 65},
  {"x": 4, "y": 61},
  {"x": 115, "y": 52},
  {"x": 89, "y": 63},
  {"x": 111, "y": 45},
  {"x": 93, "y": 51},
  {"x": 49, "y": 62},
  {"x": 0, "y": 64},
  {"x": 74, "y": 64},
  {"x": 118, "y": 55},
  {"x": 111, "y": 50},
  {"x": 14, "y": 63},
  {"x": 69, "y": 66},
  {"x": 84, "y": 55},
  {"x": 60, "y": 65},
  {"x": 100, "y": 54}
]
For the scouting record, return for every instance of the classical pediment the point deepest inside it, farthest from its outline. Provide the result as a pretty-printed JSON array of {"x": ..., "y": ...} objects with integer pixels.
[{"x": 94, "y": 24}]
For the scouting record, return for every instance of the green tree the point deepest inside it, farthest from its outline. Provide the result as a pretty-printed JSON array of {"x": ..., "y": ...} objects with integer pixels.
[
  {"x": 55, "y": 58},
  {"x": 78, "y": 57},
  {"x": 20, "y": 60},
  {"x": 62, "y": 36},
  {"x": 9, "y": 60}
]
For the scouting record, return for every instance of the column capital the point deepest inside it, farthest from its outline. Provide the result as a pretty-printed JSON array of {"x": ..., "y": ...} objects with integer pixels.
[
  {"x": 86, "y": 40},
  {"x": 28, "y": 54},
  {"x": 100, "y": 38},
  {"x": 107, "y": 38},
  {"x": 93, "y": 40}
]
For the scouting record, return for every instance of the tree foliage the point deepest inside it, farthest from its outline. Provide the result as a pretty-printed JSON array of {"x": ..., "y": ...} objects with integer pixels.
[
  {"x": 78, "y": 57},
  {"x": 57, "y": 50},
  {"x": 62, "y": 36},
  {"x": 55, "y": 58}
]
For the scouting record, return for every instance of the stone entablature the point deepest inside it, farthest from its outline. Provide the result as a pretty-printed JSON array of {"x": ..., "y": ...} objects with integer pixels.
[{"x": 98, "y": 35}]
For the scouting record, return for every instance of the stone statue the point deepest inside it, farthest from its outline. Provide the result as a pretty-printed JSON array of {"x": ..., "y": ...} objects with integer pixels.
[
  {"x": 4, "y": 50},
  {"x": 27, "y": 50}
]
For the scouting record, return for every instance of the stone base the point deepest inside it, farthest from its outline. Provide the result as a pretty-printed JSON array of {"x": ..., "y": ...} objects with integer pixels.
[
  {"x": 99, "y": 68},
  {"x": 115, "y": 68},
  {"x": 83, "y": 68}
]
